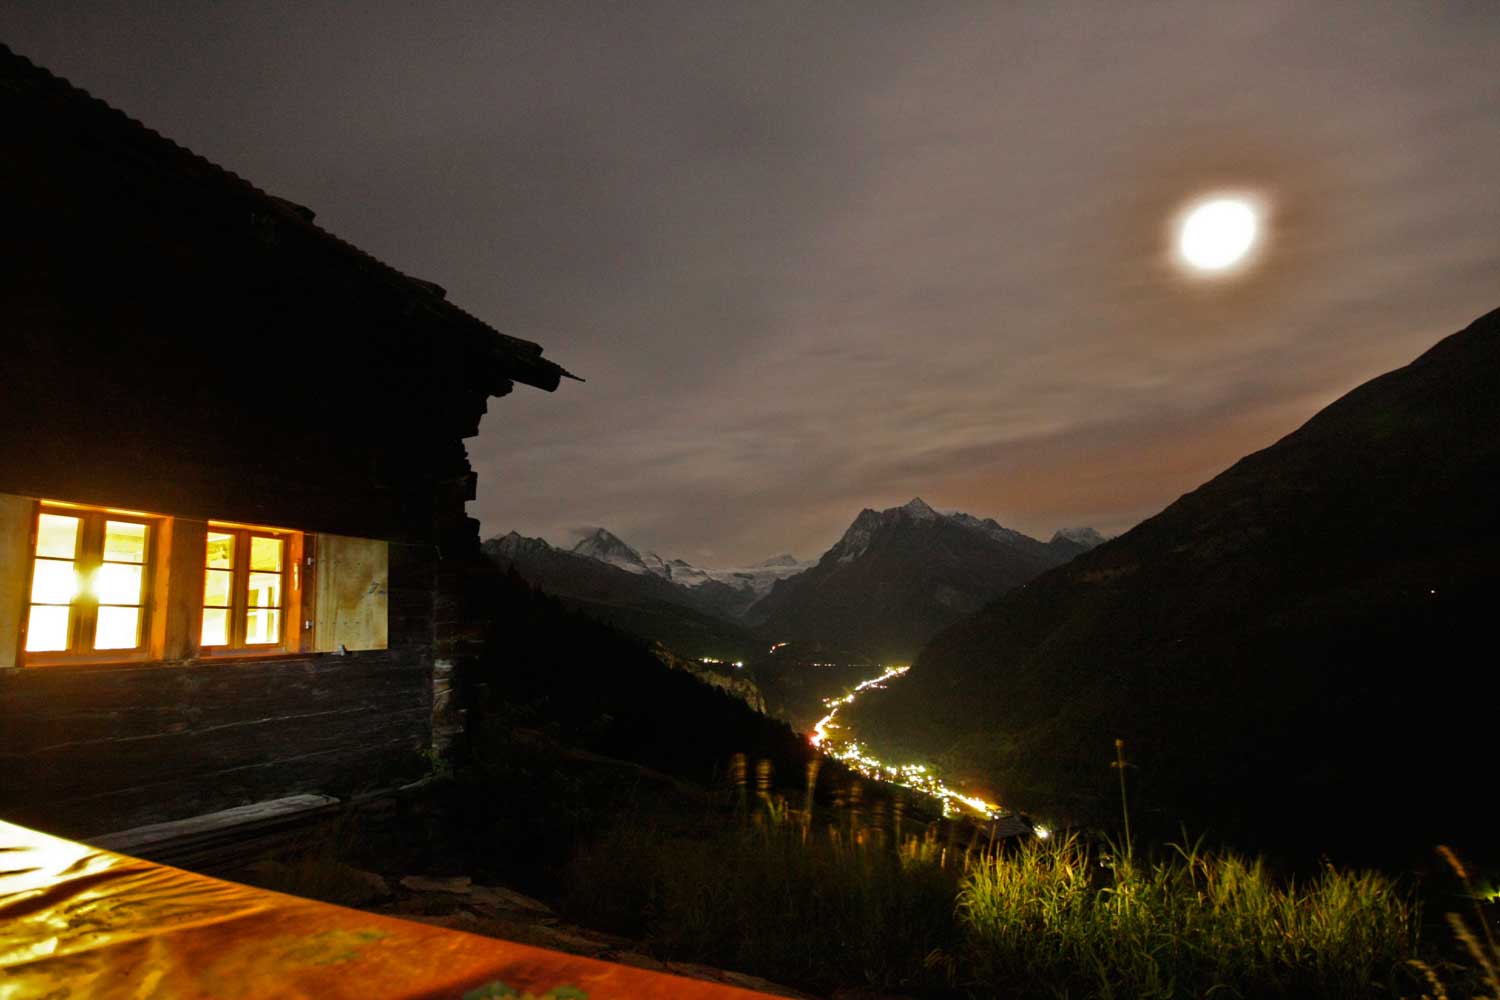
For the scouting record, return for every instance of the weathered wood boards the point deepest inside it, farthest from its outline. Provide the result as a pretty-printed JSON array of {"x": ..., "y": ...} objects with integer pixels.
[
  {"x": 352, "y": 594},
  {"x": 219, "y": 841},
  {"x": 178, "y": 342},
  {"x": 85, "y": 752},
  {"x": 15, "y": 545}
]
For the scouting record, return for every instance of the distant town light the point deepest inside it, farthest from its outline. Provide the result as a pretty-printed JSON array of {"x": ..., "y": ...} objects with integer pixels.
[{"x": 914, "y": 776}]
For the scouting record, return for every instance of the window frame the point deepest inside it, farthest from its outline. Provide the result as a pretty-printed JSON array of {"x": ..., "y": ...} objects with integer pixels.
[
  {"x": 88, "y": 558},
  {"x": 289, "y": 638}
]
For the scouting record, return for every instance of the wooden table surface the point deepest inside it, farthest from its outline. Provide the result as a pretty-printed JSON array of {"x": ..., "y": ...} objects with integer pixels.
[{"x": 78, "y": 923}]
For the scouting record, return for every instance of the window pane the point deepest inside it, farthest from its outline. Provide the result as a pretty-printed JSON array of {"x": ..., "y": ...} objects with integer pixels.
[
  {"x": 262, "y": 627},
  {"x": 47, "y": 630},
  {"x": 215, "y": 627},
  {"x": 117, "y": 628},
  {"x": 124, "y": 541},
  {"x": 220, "y": 550},
  {"x": 53, "y": 581},
  {"x": 265, "y": 553},
  {"x": 265, "y": 590},
  {"x": 216, "y": 585},
  {"x": 57, "y": 536},
  {"x": 116, "y": 583}
]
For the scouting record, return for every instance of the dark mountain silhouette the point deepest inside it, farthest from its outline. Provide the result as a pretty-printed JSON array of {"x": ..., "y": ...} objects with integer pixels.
[
  {"x": 1298, "y": 653},
  {"x": 898, "y": 576},
  {"x": 592, "y": 687},
  {"x": 1076, "y": 540},
  {"x": 642, "y": 603},
  {"x": 728, "y": 593},
  {"x": 605, "y": 546}
]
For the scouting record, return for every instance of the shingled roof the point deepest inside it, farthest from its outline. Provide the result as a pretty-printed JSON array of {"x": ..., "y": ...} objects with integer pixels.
[{"x": 40, "y": 108}]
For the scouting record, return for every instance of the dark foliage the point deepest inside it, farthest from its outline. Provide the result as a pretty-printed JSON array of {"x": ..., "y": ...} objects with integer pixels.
[
  {"x": 593, "y": 688},
  {"x": 692, "y": 621}
]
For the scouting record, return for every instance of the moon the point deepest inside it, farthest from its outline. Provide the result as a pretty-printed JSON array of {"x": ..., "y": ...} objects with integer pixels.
[{"x": 1216, "y": 234}]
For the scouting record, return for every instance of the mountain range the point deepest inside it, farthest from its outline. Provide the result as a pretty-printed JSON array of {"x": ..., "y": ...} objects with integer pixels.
[
  {"x": 693, "y": 622},
  {"x": 893, "y": 579},
  {"x": 898, "y": 576},
  {"x": 602, "y": 567},
  {"x": 1300, "y": 650},
  {"x": 747, "y": 584}
]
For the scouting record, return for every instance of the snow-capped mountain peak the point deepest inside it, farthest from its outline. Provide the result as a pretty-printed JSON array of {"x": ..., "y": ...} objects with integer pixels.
[
  {"x": 606, "y": 548},
  {"x": 898, "y": 575},
  {"x": 754, "y": 581},
  {"x": 1084, "y": 537},
  {"x": 857, "y": 537},
  {"x": 917, "y": 509},
  {"x": 513, "y": 545}
]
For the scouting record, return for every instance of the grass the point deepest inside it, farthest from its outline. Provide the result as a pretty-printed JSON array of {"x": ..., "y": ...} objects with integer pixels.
[
  {"x": 1481, "y": 980},
  {"x": 1062, "y": 919},
  {"x": 816, "y": 906},
  {"x": 836, "y": 897},
  {"x": 845, "y": 888}
]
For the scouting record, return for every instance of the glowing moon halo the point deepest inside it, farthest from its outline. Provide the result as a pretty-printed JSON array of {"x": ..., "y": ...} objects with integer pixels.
[{"x": 1219, "y": 232}]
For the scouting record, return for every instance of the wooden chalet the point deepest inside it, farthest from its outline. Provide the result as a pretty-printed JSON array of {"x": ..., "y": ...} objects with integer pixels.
[{"x": 233, "y": 544}]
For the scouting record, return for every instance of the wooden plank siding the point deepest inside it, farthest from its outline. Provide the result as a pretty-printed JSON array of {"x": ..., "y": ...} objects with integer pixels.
[
  {"x": 179, "y": 342},
  {"x": 87, "y": 750},
  {"x": 351, "y": 606},
  {"x": 16, "y": 515},
  {"x": 90, "y": 751}
]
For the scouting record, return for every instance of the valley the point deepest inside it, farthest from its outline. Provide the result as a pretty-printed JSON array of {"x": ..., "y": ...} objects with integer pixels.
[
  {"x": 802, "y": 640},
  {"x": 839, "y": 741},
  {"x": 736, "y": 501},
  {"x": 1272, "y": 674},
  {"x": 1255, "y": 623}
]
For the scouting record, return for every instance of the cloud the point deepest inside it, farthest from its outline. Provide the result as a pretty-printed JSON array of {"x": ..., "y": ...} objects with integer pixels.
[{"x": 813, "y": 258}]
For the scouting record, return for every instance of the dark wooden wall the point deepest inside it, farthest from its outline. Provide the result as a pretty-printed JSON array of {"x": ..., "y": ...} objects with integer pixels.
[
  {"x": 90, "y": 750},
  {"x": 174, "y": 341},
  {"x": 177, "y": 341}
]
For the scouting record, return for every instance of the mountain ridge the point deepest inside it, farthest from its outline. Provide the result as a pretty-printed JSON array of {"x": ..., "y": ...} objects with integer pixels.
[
  {"x": 978, "y": 559},
  {"x": 898, "y": 575},
  {"x": 1268, "y": 632}
]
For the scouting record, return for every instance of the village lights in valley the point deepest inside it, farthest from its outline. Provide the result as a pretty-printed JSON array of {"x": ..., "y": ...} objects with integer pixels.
[
  {"x": 914, "y": 776},
  {"x": 820, "y": 734}
]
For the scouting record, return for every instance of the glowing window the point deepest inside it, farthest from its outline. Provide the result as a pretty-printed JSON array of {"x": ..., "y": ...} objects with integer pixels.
[
  {"x": 244, "y": 588},
  {"x": 89, "y": 583}
]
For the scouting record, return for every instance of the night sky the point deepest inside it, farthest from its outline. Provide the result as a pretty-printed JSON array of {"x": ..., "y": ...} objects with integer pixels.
[{"x": 813, "y": 258}]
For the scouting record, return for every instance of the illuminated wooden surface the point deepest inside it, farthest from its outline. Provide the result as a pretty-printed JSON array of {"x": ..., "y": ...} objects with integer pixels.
[
  {"x": 80, "y": 922},
  {"x": 353, "y": 580},
  {"x": 16, "y": 514}
]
